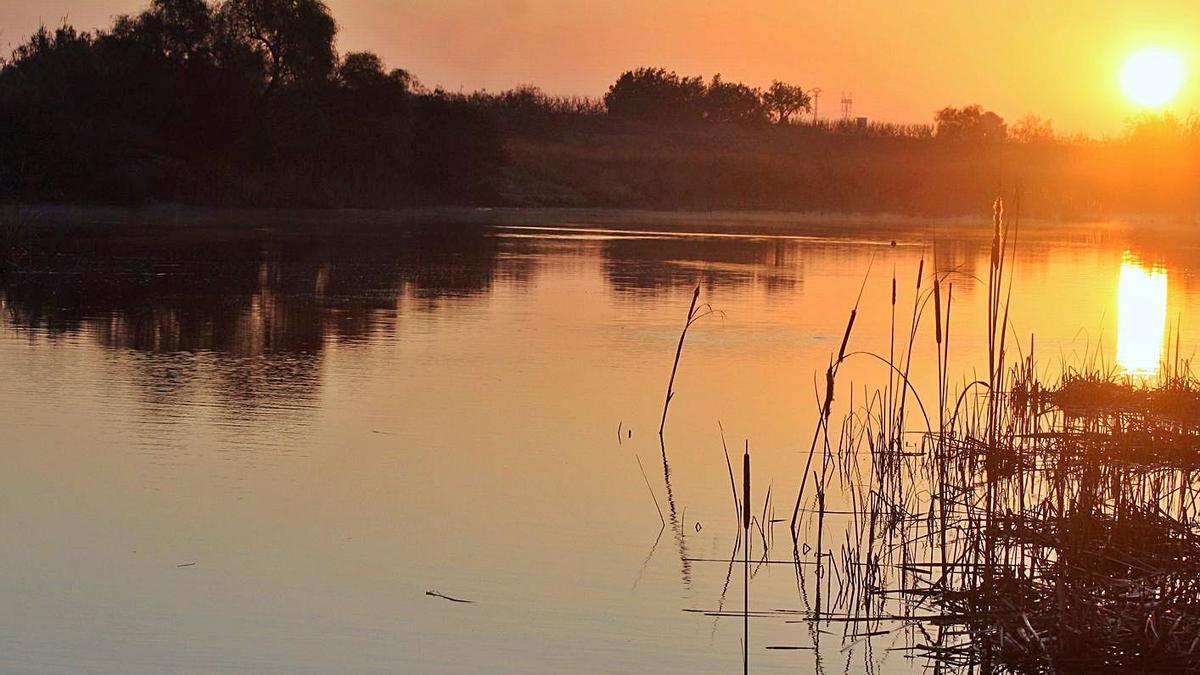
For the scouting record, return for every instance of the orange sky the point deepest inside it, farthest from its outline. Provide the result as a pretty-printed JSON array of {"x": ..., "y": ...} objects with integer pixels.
[{"x": 901, "y": 60}]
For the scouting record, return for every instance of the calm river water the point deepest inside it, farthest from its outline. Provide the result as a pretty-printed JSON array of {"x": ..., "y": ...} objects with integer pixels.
[{"x": 256, "y": 449}]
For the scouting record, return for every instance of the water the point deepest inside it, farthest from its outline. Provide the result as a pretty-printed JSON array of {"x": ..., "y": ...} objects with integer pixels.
[{"x": 255, "y": 449}]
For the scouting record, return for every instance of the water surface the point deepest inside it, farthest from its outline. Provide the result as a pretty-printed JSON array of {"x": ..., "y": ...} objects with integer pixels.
[{"x": 255, "y": 449}]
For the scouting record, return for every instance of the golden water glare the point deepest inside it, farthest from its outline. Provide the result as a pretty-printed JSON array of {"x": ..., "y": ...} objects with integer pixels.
[{"x": 1141, "y": 316}]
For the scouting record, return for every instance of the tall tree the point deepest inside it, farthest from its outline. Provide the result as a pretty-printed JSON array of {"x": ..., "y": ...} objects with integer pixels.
[
  {"x": 971, "y": 123},
  {"x": 783, "y": 100},
  {"x": 732, "y": 102},
  {"x": 361, "y": 70},
  {"x": 179, "y": 31},
  {"x": 294, "y": 37},
  {"x": 655, "y": 94},
  {"x": 1032, "y": 129}
]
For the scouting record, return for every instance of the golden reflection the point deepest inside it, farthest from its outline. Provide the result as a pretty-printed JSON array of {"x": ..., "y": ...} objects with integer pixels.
[{"x": 1141, "y": 316}]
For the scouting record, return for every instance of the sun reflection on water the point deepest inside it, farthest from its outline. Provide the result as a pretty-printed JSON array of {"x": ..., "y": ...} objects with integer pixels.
[{"x": 1141, "y": 316}]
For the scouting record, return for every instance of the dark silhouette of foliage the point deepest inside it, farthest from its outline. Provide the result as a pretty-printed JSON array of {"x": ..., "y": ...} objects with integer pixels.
[
  {"x": 656, "y": 95},
  {"x": 47, "y": 85},
  {"x": 1162, "y": 129},
  {"x": 240, "y": 102},
  {"x": 446, "y": 131},
  {"x": 245, "y": 102},
  {"x": 1032, "y": 129},
  {"x": 361, "y": 71},
  {"x": 294, "y": 37},
  {"x": 179, "y": 32},
  {"x": 972, "y": 124},
  {"x": 367, "y": 88},
  {"x": 663, "y": 97},
  {"x": 527, "y": 104},
  {"x": 733, "y": 102},
  {"x": 526, "y": 109},
  {"x": 784, "y": 100}
]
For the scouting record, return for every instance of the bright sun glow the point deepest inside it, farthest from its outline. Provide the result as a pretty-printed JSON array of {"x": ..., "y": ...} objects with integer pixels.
[
  {"x": 1152, "y": 76},
  {"x": 1141, "y": 316}
]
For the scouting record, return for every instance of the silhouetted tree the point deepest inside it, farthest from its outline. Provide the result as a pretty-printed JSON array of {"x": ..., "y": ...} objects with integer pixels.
[
  {"x": 971, "y": 123},
  {"x": 361, "y": 70},
  {"x": 294, "y": 37},
  {"x": 46, "y": 89},
  {"x": 403, "y": 78},
  {"x": 733, "y": 102},
  {"x": 657, "y": 95},
  {"x": 1032, "y": 129},
  {"x": 364, "y": 71},
  {"x": 1159, "y": 129},
  {"x": 783, "y": 100},
  {"x": 664, "y": 97},
  {"x": 367, "y": 89},
  {"x": 179, "y": 31}
]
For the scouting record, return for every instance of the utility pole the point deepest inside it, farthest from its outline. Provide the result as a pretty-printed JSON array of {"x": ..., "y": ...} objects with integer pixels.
[{"x": 816, "y": 96}]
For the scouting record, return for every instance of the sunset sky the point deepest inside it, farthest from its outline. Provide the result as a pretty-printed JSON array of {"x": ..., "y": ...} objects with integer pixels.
[{"x": 901, "y": 61}]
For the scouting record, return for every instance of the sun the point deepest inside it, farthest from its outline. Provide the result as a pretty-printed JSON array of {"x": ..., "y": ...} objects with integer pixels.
[{"x": 1152, "y": 76}]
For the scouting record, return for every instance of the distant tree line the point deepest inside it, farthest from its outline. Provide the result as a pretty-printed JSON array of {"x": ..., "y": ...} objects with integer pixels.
[
  {"x": 248, "y": 102},
  {"x": 659, "y": 95},
  {"x": 663, "y": 97}
]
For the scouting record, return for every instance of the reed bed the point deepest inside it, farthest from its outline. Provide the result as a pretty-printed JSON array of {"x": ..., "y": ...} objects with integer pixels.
[
  {"x": 1028, "y": 527},
  {"x": 1013, "y": 525}
]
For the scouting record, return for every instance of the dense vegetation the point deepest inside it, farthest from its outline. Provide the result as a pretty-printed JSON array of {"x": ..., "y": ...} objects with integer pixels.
[
  {"x": 247, "y": 102},
  {"x": 242, "y": 102}
]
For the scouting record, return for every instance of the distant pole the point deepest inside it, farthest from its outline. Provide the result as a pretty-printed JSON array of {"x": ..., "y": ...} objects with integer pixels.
[
  {"x": 816, "y": 94},
  {"x": 746, "y": 561}
]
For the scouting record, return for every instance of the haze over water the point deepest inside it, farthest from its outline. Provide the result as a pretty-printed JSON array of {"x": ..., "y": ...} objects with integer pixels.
[{"x": 258, "y": 455}]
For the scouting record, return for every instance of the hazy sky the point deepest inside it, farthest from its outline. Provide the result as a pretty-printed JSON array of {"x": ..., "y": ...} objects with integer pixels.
[{"x": 901, "y": 60}]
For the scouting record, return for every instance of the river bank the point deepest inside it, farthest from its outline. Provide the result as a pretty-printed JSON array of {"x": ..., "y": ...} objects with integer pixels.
[{"x": 772, "y": 223}]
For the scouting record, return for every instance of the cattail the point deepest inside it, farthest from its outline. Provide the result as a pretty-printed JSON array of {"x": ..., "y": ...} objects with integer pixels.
[
  {"x": 828, "y": 390},
  {"x": 997, "y": 219},
  {"x": 846, "y": 335},
  {"x": 937, "y": 309}
]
